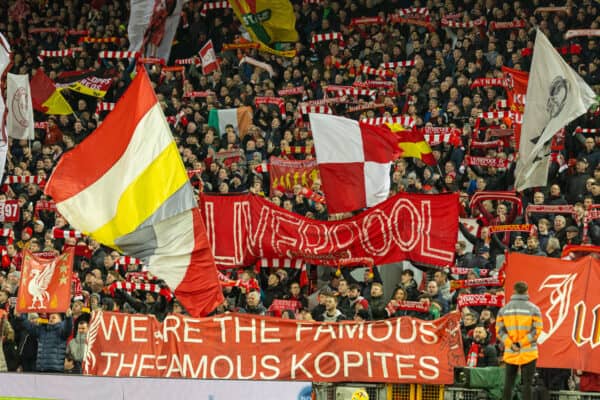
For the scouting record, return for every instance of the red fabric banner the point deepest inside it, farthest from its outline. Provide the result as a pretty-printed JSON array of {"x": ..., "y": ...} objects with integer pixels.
[
  {"x": 288, "y": 173},
  {"x": 480, "y": 300},
  {"x": 495, "y": 162},
  {"x": 242, "y": 346},
  {"x": 45, "y": 285},
  {"x": 516, "y": 91},
  {"x": 568, "y": 297},
  {"x": 422, "y": 228},
  {"x": 511, "y": 228}
]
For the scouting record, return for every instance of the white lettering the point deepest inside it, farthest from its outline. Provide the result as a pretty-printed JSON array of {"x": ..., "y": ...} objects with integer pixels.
[
  {"x": 302, "y": 327},
  {"x": 387, "y": 335},
  {"x": 300, "y": 365},
  {"x": 240, "y": 374},
  {"x": 138, "y": 328},
  {"x": 325, "y": 329},
  {"x": 142, "y": 366},
  {"x": 383, "y": 357},
  {"x": 399, "y": 330},
  {"x": 400, "y": 365},
  {"x": 189, "y": 372},
  {"x": 432, "y": 367},
  {"x": 352, "y": 364},
  {"x": 171, "y": 328},
  {"x": 109, "y": 357},
  {"x": 213, "y": 368},
  {"x": 187, "y": 329},
  {"x": 264, "y": 330},
  {"x": 336, "y": 362},
  {"x": 123, "y": 365},
  {"x": 221, "y": 321},
  {"x": 428, "y": 336},
  {"x": 159, "y": 365},
  {"x": 267, "y": 366},
  {"x": 239, "y": 329}
]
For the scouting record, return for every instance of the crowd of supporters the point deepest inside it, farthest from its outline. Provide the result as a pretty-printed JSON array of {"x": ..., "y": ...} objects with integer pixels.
[{"x": 434, "y": 92}]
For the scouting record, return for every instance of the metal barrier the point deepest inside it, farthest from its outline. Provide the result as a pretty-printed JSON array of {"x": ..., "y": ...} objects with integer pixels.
[
  {"x": 329, "y": 391},
  {"x": 573, "y": 395}
]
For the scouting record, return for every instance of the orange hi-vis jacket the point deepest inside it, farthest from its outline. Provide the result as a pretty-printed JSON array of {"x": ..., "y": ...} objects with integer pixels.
[{"x": 519, "y": 322}]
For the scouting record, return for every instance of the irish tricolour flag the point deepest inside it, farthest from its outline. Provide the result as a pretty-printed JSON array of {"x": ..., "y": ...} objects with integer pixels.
[{"x": 240, "y": 118}]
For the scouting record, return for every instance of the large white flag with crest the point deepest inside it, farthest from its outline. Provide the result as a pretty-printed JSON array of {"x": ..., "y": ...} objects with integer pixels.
[
  {"x": 20, "y": 109},
  {"x": 556, "y": 95}
]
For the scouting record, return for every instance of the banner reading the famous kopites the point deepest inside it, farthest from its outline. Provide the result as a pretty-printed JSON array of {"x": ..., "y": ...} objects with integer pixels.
[
  {"x": 244, "y": 228},
  {"x": 289, "y": 173},
  {"x": 242, "y": 346},
  {"x": 566, "y": 292}
]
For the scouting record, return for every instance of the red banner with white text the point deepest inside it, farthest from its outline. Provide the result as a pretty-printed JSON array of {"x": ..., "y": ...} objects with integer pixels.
[
  {"x": 244, "y": 228},
  {"x": 288, "y": 173},
  {"x": 242, "y": 346},
  {"x": 566, "y": 292}
]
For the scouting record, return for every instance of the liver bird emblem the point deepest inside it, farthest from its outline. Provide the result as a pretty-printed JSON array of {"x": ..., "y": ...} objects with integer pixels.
[{"x": 38, "y": 285}]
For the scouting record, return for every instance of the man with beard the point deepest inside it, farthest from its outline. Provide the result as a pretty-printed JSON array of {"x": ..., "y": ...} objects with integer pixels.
[
  {"x": 377, "y": 302},
  {"x": 78, "y": 346},
  {"x": 480, "y": 353}
]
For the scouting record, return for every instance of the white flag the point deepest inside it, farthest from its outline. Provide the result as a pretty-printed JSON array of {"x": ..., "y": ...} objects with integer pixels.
[
  {"x": 556, "y": 95},
  {"x": 4, "y": 62},
  {"x": 20, "y": 109},
  {"x": 148, "y": 18}
]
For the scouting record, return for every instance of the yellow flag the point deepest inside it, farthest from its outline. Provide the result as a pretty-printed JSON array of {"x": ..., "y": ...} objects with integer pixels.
[{"x": 268, "y": 22}]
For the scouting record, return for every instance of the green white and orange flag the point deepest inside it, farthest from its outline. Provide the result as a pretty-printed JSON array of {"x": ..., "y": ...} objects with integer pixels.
[
  {"x": 126, "y": 186},
  {"x": 412, "y": 144}
]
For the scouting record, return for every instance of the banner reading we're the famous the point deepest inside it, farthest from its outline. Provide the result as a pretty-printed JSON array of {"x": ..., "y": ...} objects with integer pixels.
[
  {"x": 566, "y": 292},
  {"x": 242, "y": 346},
  {"x": 244, "y": 228}
]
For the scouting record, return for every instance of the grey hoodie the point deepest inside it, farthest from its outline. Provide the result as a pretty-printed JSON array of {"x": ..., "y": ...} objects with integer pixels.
[{"x": 78, "y": 347}]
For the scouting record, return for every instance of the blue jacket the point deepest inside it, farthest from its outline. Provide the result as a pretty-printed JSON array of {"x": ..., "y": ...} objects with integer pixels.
[{"x": 52, "y": 343}]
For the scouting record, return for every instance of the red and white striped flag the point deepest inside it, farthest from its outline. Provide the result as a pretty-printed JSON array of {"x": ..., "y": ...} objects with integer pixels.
[
  {"x": 10, "y": 179},
  {"x": 213, "y": 5},
  {"x": 280, "y": 263},
  {"x": 382, "y": 73},
  {"x": 396, "y": 64},
  {"x": 118, "y": 54},
  {"x": 402, "y": 120},
  {"x": 305, "y": 109},
  {"x": 6, "y": 232},
  {"x": 326, "y": 37},
  {"x": 57, "y": 53},
  {"x": 188, "y": 61},
  {"x": 66, "y": 233},
  {"x": 127, "y": 260},
  {"x": 468, "y": 24},
  {"x": 103, "y": 106}
]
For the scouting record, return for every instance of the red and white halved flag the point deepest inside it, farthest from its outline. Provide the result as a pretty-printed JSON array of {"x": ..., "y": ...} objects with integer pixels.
[{"x": 210, "y": 62}]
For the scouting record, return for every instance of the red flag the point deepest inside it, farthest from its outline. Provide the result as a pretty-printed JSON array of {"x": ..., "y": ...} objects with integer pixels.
[
  {"x": 516, "y": 90},
  {"x": 45, "y": 285},
  {"x": 209, "y": 58}
]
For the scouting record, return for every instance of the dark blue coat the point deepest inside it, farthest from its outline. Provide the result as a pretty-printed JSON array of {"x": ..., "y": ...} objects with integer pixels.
[{"x": 52, "y": 343}]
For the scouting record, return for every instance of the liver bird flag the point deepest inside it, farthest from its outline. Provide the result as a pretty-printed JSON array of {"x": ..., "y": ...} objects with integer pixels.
[
  {"x": 45, "y": 285},
  {"x": 126, "y": 186}
]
